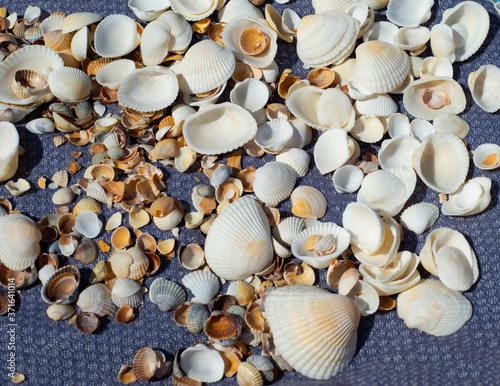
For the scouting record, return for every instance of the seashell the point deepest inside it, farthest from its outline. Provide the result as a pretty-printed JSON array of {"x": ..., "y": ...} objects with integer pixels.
[
  {"x": 365, "y": 226},
  {"x": 86, "y": 322},
  {"x": 192, "y": 257},
  {"x": 273, "y": 135},
  {"x": 454, "y": 270},
  {"x": 146, "y": 362},
  {"x": 222, "y": 328},
  {"x": 381, "y": 31},
  {"x": 19, "y": 240},
  {"x": 51, "y": 23},
  {"x": 412, "y": 38},
  {"x": 453, "y": 162},
  {"x": 62, "y": 286},
  {"x": 347, "y": 179},
  {"x": 243, "y": 292},
  {"x": 203, "y": 284},
  {"x": 40, "y": 126},
  {"x": 436, "y": 66},
  {"x": 368, "y": 129},
  {"x": 125, "y": 314},
  {"x": 308, "y": 202},
  {"x": 333, "y": 318},
  {"x": 442, "y": 42},
  {"x": 79, "y": 20},
  {"x": 407, "y": 14},
  {"x": 365, "y": 297},
  {"x": 397, "y": 152},
  {"x": 87, "y": 204},
  {"x": 201, "y": 363},
  {"x": 19, "y": 187},
  {"x": 433, "y": 308},
  {"x": 483, "y": 84},
  {"x": 120, "y": 238},
  {"x": 321, "y": 77},
  {"x": 228, "y": 249},
  {"x": 334, "y": 110},
  {"x": 487, "y": 156},
  {"x": 194, "y": 11},
  {"x": 167, "y": 294},
  {"x": 196, "y": 316},
  {"x": 203, "y": 130},
  {"x": 69, "y": 84},
  {"x": 148, "y": 10},
  {"x": 253, "y": 41},
  {"x": 421, "y": 129},
  {"x": 63, "y": 196},
  {"x": 58, "y": 41},
  {"x": 287, "y": 229},
  {"x": 9, "y": 150},
  {"x": 290, "y": 21},
  {"x": 180, "y": 30},
  {"x": 136, "y": 89},
  {"x": 115, "y": 36},
  {"x": 126, "y": 292},
  {"x": 274, "y": 182},
  {"x": 341, "y": 239},
  {"x": 232, "y": 35},
  {"x": 79, "y": 44},
  {"x": 419, "y": 217},
  {"x": 146, "y": 243},
  {"x": 29, "y": 83},
  {"x": 451, "y": 123},
  {"x": 60, "y": 311},
  {"x": 331, "y": 150},
  {"x": 17, "y": 279},
  {"x": 321, "y": 6},
  {"x": 432, "y": 96},
  {"x": 298, "y": 159},
  {"x": 303, "y": 104},
  {"x": 184, "y": 159},
  {"x": 88, "y": 224},
  {"x": 275, "y": 20},
  {"x": 336, "y": 270},
  {"x": 132, "y": 264},
  {"x": 155, "y": 42},
  {"x": 96, "y": 299},
  {"x": 248, "y": 375},
  {"x": 237, "y": 8},
  {"x": 251, "y": 94},
  {"x": 220, "y": 175},
  {"x": 470, "y": 24},
  {"x": 68, "y": 244},
  {"x": 86, "y": 251},
  {"x": 112, "y": 74},
  {"x": 471, "y": 198},
  {"x": 326, "y": 38}
]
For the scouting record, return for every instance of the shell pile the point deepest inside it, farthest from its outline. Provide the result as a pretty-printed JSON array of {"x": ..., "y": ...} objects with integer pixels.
[{"x": 168, "y": 79}]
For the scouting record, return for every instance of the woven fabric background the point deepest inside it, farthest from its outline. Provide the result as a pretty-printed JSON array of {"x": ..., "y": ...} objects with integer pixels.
[{"x": 54, "y": 353}]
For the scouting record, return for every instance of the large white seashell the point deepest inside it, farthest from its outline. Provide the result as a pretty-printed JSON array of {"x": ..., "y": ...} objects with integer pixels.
[
  {"x": 368, "y": 129},
  {"x": 205, "y": 67},
  {"x": 414, "y": 97},
  {"x": 40, "y": 126},
  {"x": 79, "y": 44},
  {"x": 407, "y": 13},
  {"x": 180, "y": 30},
  {"x": 442, "y": 43},
  {"x": 470, "y": 23},
  {"x": 326, "y": 38},
  {"x": 237, "y": 8},
  {"x": 412, "y": 38},
  {"x": 274, "y": 182},
  {"x": 148, "y": 10},
  {"x": 451, "y": 123},
  {"x": 334, "y": 110},
  {"x": 287, "y": 229},
  {"x": 482, "y": 153},
  {"x": 203, "y": 284},
  {"x": 383, "y": 31},
  {"x": 88, "y": 224},
  {"x": 274, "y": 134},
  {"x": 442, "y": 162},
  {"x": 380, "y": 67},
  {"x": 331, "y": 150},
  {"x": 454, "y": 270},
  {"x": 347, "y": 179},
  {"x": 9, "y": 151},
  {"x": 472, "y": 198},
  {"x": 52, "y": 23},
  {"x": 398, "y": 125},
  {"x": 381, "y": 191},
  {"x": 397, "y": 151},
  {"x": 212, "y": 129},
  {"x": 326, "y": 5},
  {"x": 19, "y": 241},
  {"x": 148, "y": 89},
  {"x": 484, "y": 85},
  {"x": 115, "y": 36},
  {"x": 251, "y": 94},
  {"x": 419, "y": 217},
  {"x": 202, "y": 364},
  {"x": 231, "y": 36},
  {"x": 194, "y": 10},
  {"x": 321, "y": 345},
  {"x": 433, "y": 308},
  {"x": 75, "y": 21},
  {"x": 112, "y": 74},
  {"x": 155, "y": 42},
  {"x": 238, "y": 243},
  {"x": 342, "y": 239},
  {"x": 298, "y": 159},
  {"x": 69, "y": 84},
  {"x": 365, "y": 226},
  {"x": 303, "y": 104}
]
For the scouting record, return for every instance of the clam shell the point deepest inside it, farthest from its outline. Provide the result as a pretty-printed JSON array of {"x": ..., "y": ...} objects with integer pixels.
[
  {"x": 368, "y": 129},
  {"x": 79, "y": 20},
  {"x": 242, "y": 291},
  {"x": 334, "y": 110},
  {"x": 487, "y": 156},
  {"x": 112, "y": 74},
  {"x": 298, "y": 159},
  {"x": 167, "y": 294},
  {"x": 238, "y": 243},
  {"x": 302, "y": 134},
  {"x": 308, "y": 202},
  {"x": 9, "y": 150},
  {"x": 303, "y": 104},
  {"x": 86, "y": 251},
  {"x": 442, "y": 43},
  {"x": 126, "y": 292},
  {"x": 447, "y": 172},
  {"x": 397, "y": 152},
  {"x": 132, "y": 264},
  {"x": 274, "y": 182},
  {"x": 471, "y": 198},
  {"x": 60, "y": 311},
  {"x": 52, "y": 23},
  {"x": 223, "y": 328},
  {"x": 365, "y": 226},
  {"x": 193, "y": 11},
  {"x": 484, "y": 84},
  {"x": 436, "y": 66},
  {"x": 87, "y": 204},
  {"x": 63, "y": 196},
  {"x": 196, "y": 316},
  {"x": 248, "y": 375},
  {"x": 88, "y": 224},
  {"x": 364, "y": 295},
  {"x": 86, "y": 322},
  {"x": 211, "y": 130},
  {"x": 62, "y": 286},
  {"x": 274, "y": 134},
  {"x": 322, "y": 345},
  {"x": 143, "y": 89},
  {"x": 181, "y": 32},
  {"x": 381, "y": 191},
  {"x": 202, "y": 363},
  {"x": 116, "y": 36},
  {"x": 451, "y": 123},
  {"x": 382, "y": 31},
  {"x": 79, "y": 44},
  {"x": 275, "y": 20},
  {"x": 412, "y": 38},
  {"x": 331, "y": 150},
  {"x": 237, "y": 8},
  {"x": 420, "y": 217},
  {"x": 433, "y": 308},
  {"x": 454, "y": 270},
  {"x": 203, "y": 284},
  {"x": 146, "y": 362},
  {"x": 148, "y": 10},
  {"x": 69, "y": 84},
  {"x": 408, "y": 14},
  {"x": 421, "y": 129},
  {"x": 347, "y": 179},
  {"x": 290, "y": 21},
  {"x": 97, "y": 300},
  {"x": 40, "y": 126},
  {"x": 155, "y": 42},
  {"x": 321, "y": 6},
  {"x": 192, "y": 256},
  {"x": 251, "y": 94}
]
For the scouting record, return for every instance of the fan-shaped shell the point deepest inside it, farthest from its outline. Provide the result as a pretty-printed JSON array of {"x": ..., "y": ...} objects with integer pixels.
[
  {"x": 9, "y": 149},
  {"x": 381, "y": 105},
  {"x": 69, "y": 84},
  {"x": 484, "y": 85},
  {"x": 238, "y": 243},
  {"x": 202, "y": 363},
  {"x": 298, "y": 159},
  {"x": 62, "y": 286},
  {"x": 412, "y": 38},
  {"x": 167, "y": 294},
  {"x": 420, "y": 217},
  {"x": 88, "y": 224},
  {"x": 194, "y": 10},
  {"x": 365, "y": 226},
  {"x": 347, "y": 179},
  {"x": 78, "y": 20},
  {"x": 407, "y": 13},
  {"x": 287, "y": 229},
  {"x": 181, "y": 32},
  {"x": 203, "y": 284},
  {"x": 115, "y": 36},
  {"x": 274, "y": 135},
  {"x": 112, "y": 74},
  {"x": 126, "y": 292},
  {"x": 97, "y": 300},
  {"x": 334, "y": 110},
  {"x": 451, "y": 123},
  {"x": 368, "y": 129},
  {"x": 274, "y": 182},
  {"x": 397, "y": 151},
  {"x": 320, "y": 345},
  {"x": 331, "y": 150},
  {"x": 251, "y": 94},
  {"x": 237, "y": 8},
  {"x": 308, "y": 202},
  {"x": 321, "y": 6}
]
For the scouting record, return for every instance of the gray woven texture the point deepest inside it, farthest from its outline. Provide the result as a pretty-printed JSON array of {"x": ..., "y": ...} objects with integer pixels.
[{"x": 54, "y": 353}]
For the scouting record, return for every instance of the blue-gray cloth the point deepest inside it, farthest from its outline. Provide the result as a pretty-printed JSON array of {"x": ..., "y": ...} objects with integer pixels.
[{"x": 55, "y": 353}]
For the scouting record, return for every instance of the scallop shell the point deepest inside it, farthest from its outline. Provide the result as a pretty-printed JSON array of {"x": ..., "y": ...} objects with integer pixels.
[
  {"x": 69, "y": 84},
  {"x": 331, "y": 150},
  {"x": 484, "y": 85},
  {"x": 86, "y": 251},
  {"x": 446, "y": 172},
  {"x": 79, "y": 20},
  {"x": 303, "y": 104},
  {"x": 237, "y": 8},
  {"x": 181, "y": 32},
  {"x": 19, "y": 240},
  {"x": 397, "y": 152},
  {"x": 62, "y": 286},
  {"x": 380, "y": 67},
  {"x": 116, "y": 36},
  {"x": 112, "y": 74},
  {"x": 433, "y": 308},
  {"x": 201, "y": 363},
  {"x": 203, "y": 284},
  {"x": 223, "y": 328},
  {"x": 487, "y": 156},
  {"x": 193, "y": 11},
  {"x": 86, "y": 322},
  {"x": 298, "y": 159},
  {"x": 274, "y": 182},
  {"x": 238, "y": 243},
  {"x": 420, "y": 129},
  {"x": 132, "y": 264},
  {"x": 364, "y": 295},
  {"x": 167, "y": 294},
  {"x": 9, "y": 150},
  {"x": 146, "y": 362},
  {"x": 97, "y": 300},
  {"x": 251, "y": 94},
  {"x": 420, "y": 217},
  {"x": 273, "y": 135},
  {"x": 275, "y": 20},
  {"x": 365, "y": 226},
  {"x": 52, "y": 23},
  {"x": 323, "y": 344},
  {"x": 148, "y": 10},
  {"x": 192, "y": 256},
  {"x": 211, "y": 130},
  {"x": 248, "y": 375},
  {"x": 471, "y": 198},
  {"x": 334, "y": 110},
  {"x": 290, "y": 21},
  {"x": 408, "y": 14},
  {"x": 287, "y": 229},
  {"x": 347, "y": 179}
]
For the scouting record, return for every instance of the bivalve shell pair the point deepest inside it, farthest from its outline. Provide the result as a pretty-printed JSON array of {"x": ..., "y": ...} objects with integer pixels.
[
  {"x": 471, "y": 198},
  {"x": 132, "y": 263}
]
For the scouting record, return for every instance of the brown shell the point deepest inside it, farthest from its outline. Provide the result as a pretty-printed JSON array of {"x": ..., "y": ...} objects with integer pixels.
[
  {"x": 162, "y": 206},
  {"x": 87, "y": 204},
  {"x": 321, "y": 77},
  {"x": 145, "y": 364},
  {"x": 125, "y": 314},
  {"x": 57, "y": 40},
  {"x": 126, "y": 375},
  {"x": 28, "y": 82},
  {"x": 86, "y": 322},
  {"x": 120, "y": 238},
  {"x": 253, "y": 41},
  {"x": 221, "y": 327}
]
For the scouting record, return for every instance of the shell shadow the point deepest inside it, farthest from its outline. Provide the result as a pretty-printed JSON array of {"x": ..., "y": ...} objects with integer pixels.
[
  {"x": 365, "y": 326},
  {"x": 33, "y": 153}
]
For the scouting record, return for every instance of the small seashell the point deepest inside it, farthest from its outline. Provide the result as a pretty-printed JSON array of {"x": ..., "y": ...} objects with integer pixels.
[
  {"x": 275, "y": 20},
  {"x": 204, "y": 285},
  {"x": 397, "y": 152},
  {"x": 222, "y": 328},
  {"x": 132, "y": 264},
  {"x": 253, "y": 41},
  {"x": 381, "y": 105},
  {"x": 471, "y": 198},
  {"x": 321, "y": 77},
  {"x": 87, "y": 204},
  {"x": 62, "y": 286},
  {"x": 347, "y": 179},
  {"x": 192, "y": 257},
  {"x": 287, "y": 229},
  {"x": 487, "y": 156},
  {"x": 274, "y": 135},
  {"x": 40, "y": 126},
  {"x": 451, "y": 123},
  {"x": 419, "y": 217},
  {"x": 483, "y": 84},
  {"x": 18, "y": 279},
  {"x": 60, "y": 311},
  {"x": 368, "y": 129},
  {"x": 407, "y": 14},
  {"x": 146, "y": 362},
  {"x": 96, "y": 299},
  {"x": 19, "y": 187},
  {"x": 251, "y": 94},
  {"x": 120, "y": 238},
  {"x": 63, "y": 196},
  {"x": 412, "y": 38},
  {"x": 126, "y": 292},
  {"x": 79, "y": 20},
  {"x": 365, "y": 226},
  {"x": 420, "y": 129},
  {"x": 88, "y": 224},
  {"x": 148, "y": 10},
  {"x": 332, "y": 150},
  {"x": 86, "y": 251},
  {"x": 274, "y": 182},
  {"x": 86, "y": 322},
  {"x": 308, "y": 202},
  {"x": 201, "y": 363},
  {"x": 112, "y": 74},
  {"x": 298, "y": 159},
  {"x": 69, "y": 84},
  {"x": 365, "y": 296},
  {"x": 114, "y": 221},
  {"x": 167, "y": 294},
  {"x": 115, "y": 36},
  {"x": 248, "y": 375}
]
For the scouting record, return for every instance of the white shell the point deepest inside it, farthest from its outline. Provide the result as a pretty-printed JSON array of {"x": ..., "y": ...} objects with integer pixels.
[
  {"x": 69, "y": 84},
  {"x": 407, "y": 13},
  {"x": 365, "y": 226},
  {"x": 302, "y": 134},
  {"x": 365, "y": 297},
  {"x": 412, "y": 38},
  {"x": 287, "y": 229},
  {"x": 181, "y": 32},
  {"x": 194, "y": 10},
  {"x": 334, "y": 110},
  {"x": 274, "y": 134},
  {"x": 148, "y": 10},
  {"x": 451, "y": 123},
  {"x": 203, "y": 284},
  {"x": 202, "y": 364},
  {"x": 482, "y": 152},
  {"x": 52, "y": 23},
  {"x": 290, "y": 21},
  {"x": 383, "y": 31},
  {"x": 397, "y": 151},
  {"x": 437, "y": 67},
  {"x": 251, "y": 94},
  {"x": 237, "y": 8},
  {"x": 155, "y": 42},
  {"x": 331, "y": 150},
  {"x": 9, "y": 150},
  {"x": 368, "y": 129},
  {"x": 112, "y": 74},
  {"x": 274, "y": 182},
  {"x": 454, "y": 270},
  {"x": 148, "y": 89},
  {"x": 298, "y": 159},
  {"x": 381, "y": 191},
  {"x": 238, "y": 243},
  {"x": 79, "y": 44},
  {"x": 414, "y": 103},
  {"x": 78, "y": 20},
  {"x": 303, "y": 104},
  {"x": 419, "y": 217},
  {"x": 88, "y": 224},
  {"x": 342, "y": 239},
  {"x": 484, "y": 85},
  {"x": 320, "y": 345},
  {"x": 420, "y": 129},
  {"x": 40, "y": 126},
  {"x": 398, "y": 125},
  {"x": 270, "y": 73},
  {"x": 116, "y": 36},
  {"x": 347, "y": 179},
  {"x": 472, "y": 198},
  {"x": 442, "y": 162},
  {"x": 442, "y": 43},
  {"x": 211, "y": 130},
  {"x": 433, "y": 308},
  {"x": 326, "y": 5}
]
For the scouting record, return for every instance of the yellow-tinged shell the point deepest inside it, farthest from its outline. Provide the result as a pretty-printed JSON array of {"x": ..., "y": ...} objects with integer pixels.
[
  {"x": 248, "y": 375},
  {"x": 60, "y": 311},
  {"x": 166, "y": 246},
  {"x": 242, "y": 291},
  {"x": 321, "y": 77},
  {"x": 308, "y": 201},
  {"x": 125, "y": 314},
  {"x": 253, "y": 41},
  {"x": 126, "y": 375},
  {"x": 121, "y": 238}
]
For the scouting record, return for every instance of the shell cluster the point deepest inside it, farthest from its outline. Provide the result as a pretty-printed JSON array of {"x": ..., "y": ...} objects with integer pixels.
[{"x": 73, "y": 67}]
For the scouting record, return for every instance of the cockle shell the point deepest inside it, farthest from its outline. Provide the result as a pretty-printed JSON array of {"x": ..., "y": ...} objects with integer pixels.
[
  {"x": 126, "y": 292},
  {"x": 274, "y": 182},
  {"x": 148, "y": 10},
  {"x": 97, "y": 300},
  {"x": 419, "y": 217},
  {"x": 308, "y": 202},
  {"x": 487, "y": 156},
  {"x": 381, "y": 105},
  {"x": 433, "y": 308},
  {"x": 251, "y": 94},
  {"x": 62, "y": 286},
  {"x": 181, "y": 32},
  {"x": 320, "y": 345},
  {"x": 60, "y": 311},
  {"x": 211, "y": 130},
  {"x": 193, "y": 11},
  {"x": 238, "y": 243},
  {"x": 88, "y": 224},
  {"x": 412, "y": 38},
  {"x": 132, "y": 263},
  {"x": 237, "y": 8},
  {"x": 484, "y": 85},
  {"x": 75, "y": 21},
  {"x": 407, "y": 13},
  {"x": 451, "y": 123},
  {"x": 51, "y": 23},
  {"x": 365, "y": 226},
  {"x": 471, "y": 198},
  {"x": 298, "y": 159},
  {"x": 347, "y": 179},
  {"x": 397, "y": 152},
  {"x": 436, "y": 66},
  {"x": 368, "y": 129},
  {"x": 9, "y": 150},
  {"x": 69, "y": 84},
  {"x": 287, "y": 229},
  {"x": 79, "y": 44},
  {"x": 334, "y": 110},
  {"x": 420, "y": 129},
  {"x": 202, "y": 364},
  {"x": 274, "y": 135},
  {"x": 40, "y": 126},
  {"x": 116, "y": 36},
  {"x": 167, "y": 294},
  {"x": 112, "y": 74},
  {"x": 331, "y": 150},
  {"x": 203, "y": 284}
]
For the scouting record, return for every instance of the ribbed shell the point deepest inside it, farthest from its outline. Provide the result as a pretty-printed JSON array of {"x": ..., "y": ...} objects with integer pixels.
[
  {"x": 69, "y": 84},
  {"x": 334, "y": 110},
  {"x": 419, "y": 217},
  {"x": 155, "y": 42},
  {"x": 298, "y": 159},
  {"x": 238, "y": 243},
  {"x": 320, "y": 345},
  {"x": 308, "y": 201},
  {"x": 331, "y": 150},
  {"x": 203, "y": 284},
  {"x": 167, "y": 294},
  {"x": 78, "y": 20},
  {"x": 181, "y": 31},
  {"x": 126, "y": 292},
  {"x": 274, "y": 182},
  {"x": 194, "y": 10},
  {"x": 97, "y": 300},
  {"x": 236, "y": 8},
  {"x": 287, "y": 229}
]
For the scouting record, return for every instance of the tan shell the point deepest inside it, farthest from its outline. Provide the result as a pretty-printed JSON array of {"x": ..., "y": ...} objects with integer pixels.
[
  {"x": 308, "y": 201},
  {"x": 253, "y": 41}
]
